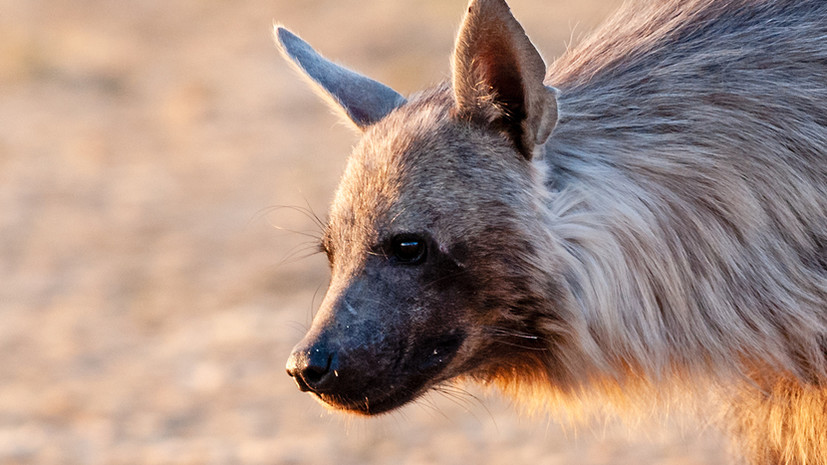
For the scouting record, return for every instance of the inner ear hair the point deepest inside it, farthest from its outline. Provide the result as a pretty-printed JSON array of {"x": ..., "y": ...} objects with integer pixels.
[{"x": 498, "y": 76}]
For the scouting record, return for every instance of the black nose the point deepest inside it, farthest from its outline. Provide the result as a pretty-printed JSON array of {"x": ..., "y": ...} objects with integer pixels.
[{"x": 313, "y": 368}]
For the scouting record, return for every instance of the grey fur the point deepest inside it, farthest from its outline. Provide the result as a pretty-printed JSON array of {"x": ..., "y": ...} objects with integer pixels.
[{"x": 673, "y": 234}]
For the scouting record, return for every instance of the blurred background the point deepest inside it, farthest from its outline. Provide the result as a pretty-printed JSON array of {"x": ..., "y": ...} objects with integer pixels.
[{"x": 149, "y": 296}]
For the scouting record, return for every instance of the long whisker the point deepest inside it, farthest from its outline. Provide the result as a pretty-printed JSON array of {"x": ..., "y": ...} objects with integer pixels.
[
  {"x": 313, "y": 216},
  {"x": 505, "y": 336},
  {"x": 313, "y": 308},
  {"x": 301, "y": 328},
  {"x": 426, "y": 402},
  {"x": 498, "y": 331},
  {"x": 307, "y": 211},
  {"x": 464, "y": 399},
  {"x": 299, "y": 252},
  {"x": 294, "y": 231}
]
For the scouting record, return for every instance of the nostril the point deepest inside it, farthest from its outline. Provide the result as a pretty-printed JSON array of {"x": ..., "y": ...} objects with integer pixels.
[
  {"x": 314, "y": 373},
  {"x": 312, "y": 369}
]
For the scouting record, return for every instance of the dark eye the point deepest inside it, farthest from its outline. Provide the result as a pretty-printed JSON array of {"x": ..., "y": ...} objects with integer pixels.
[{"x": 408, "y": 249}]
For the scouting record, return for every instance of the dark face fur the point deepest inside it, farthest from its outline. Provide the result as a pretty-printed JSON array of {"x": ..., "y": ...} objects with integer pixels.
[{"x": 434, "y": 233}]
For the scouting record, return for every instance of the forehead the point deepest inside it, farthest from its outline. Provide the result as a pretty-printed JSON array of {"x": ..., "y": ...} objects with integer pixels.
[
  {"x": 398, "y": 161},
  {"x": 418, "y": 167}
]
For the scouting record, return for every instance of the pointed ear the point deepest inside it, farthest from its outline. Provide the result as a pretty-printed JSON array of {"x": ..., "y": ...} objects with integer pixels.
[
  {"x": 363, "y": 100},
  {"x": 498, "y": 76}
]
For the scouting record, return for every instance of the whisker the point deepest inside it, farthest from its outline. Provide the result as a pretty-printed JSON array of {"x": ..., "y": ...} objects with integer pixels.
[
  {"x": 313, "y": 216},
  {"x": 313, "y": 308},
  {"x": 306, "y": 211},
  {"x": 497, "y": 331},
  {"x": 523, "y": 346},
  {"x": 297, "y": 326},
  {"x": 464, "y": 399},
  {"x": 504, "y": 334},
  {"x": 294, "y": 231},
  {"x": 426, "y": 402},
  {"x": 456, "y": 398},
  {"x": 293, "y": 255}
]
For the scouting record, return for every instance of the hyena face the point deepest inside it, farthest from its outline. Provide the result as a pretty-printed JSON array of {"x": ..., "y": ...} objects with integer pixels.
[
  {"x": 433, "y": 233},
  {"x": 412, "y": 254}
]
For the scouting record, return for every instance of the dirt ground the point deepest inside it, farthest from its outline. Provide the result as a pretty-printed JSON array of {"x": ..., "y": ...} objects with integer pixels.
[{"x": 148, "y": 298}]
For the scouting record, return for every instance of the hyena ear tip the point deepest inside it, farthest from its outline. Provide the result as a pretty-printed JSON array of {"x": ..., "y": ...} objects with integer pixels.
[
  {"x": 500, "y": 3},
  {"x": 279, "y": 31},
  {"x": 285, "y": 39},
  {"x": 291, "y": 45},
  {"x": 499, "y": 8}
]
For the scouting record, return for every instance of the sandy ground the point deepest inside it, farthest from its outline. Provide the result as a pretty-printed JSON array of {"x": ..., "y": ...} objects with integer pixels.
[{"x": 148, "y": 301}]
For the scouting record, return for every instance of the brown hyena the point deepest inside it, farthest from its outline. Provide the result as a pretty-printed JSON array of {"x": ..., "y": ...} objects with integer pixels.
[{"x": 647, "y": 216}]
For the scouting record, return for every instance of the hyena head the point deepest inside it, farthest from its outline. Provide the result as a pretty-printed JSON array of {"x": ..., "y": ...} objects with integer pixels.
[{"x": 435, "y": 239}]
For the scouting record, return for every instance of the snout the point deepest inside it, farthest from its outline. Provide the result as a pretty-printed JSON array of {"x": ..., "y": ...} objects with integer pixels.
[
  {"x": 334, "y": 374},
  {"x": 367, "y": 352},
  {"x": 369, "y": 378}
]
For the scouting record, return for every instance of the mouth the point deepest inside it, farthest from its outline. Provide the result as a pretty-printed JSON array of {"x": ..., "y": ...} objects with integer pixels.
[
  {"x": 367, "y": 406},
  {"x": 424, "y": 367}
]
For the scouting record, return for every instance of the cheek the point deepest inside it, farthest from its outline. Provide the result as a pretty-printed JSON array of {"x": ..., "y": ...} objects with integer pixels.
[
  {"x": 500, "y": 300},
  {"x": 451, "y": 305},
  {"x": 450, "y": 273}
]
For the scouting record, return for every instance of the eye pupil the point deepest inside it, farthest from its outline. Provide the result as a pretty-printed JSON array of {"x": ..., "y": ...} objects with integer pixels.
[{"x": 408, "y": 249}]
